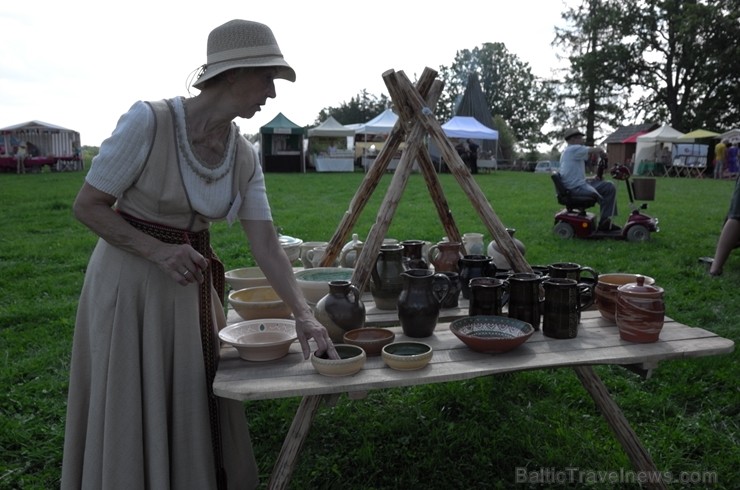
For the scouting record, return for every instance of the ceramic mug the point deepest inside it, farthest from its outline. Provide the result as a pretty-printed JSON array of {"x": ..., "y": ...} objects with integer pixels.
[
  {"x": 564, "y": 301},
  {"x": 316, "y": 255},
  {"x": 453, "y": 296},
  {"x": 526, "y": 297},
  {"x": 305, "y": 247},
  {"x": 571, "y": 270},
  {"x": 488, "y": 295}
]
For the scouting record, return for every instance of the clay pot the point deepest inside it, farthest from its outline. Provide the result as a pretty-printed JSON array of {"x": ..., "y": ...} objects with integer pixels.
[
  {"x": 386, "y": 283},
  {"x": 640, "y": 311},
  {"x": 413, "y": 254},
  {"x": 420, "y": 301},
  {"x": 341, "y": 310},
  {"x": 497, "y": 255},
  {"x": 445, "y": 256},
  {"x": 606, "y": 292}
]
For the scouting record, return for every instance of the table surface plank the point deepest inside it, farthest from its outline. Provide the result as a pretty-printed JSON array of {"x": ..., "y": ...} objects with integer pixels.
[{"x": 597, "y": 342}]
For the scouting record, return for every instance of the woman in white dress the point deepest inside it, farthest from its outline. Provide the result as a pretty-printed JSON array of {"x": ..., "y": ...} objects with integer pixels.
[{"x": 141, "y": 411}]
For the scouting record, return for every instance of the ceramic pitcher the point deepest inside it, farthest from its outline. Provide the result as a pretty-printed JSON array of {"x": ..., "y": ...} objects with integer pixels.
[
  {"x": 445, "y": 256},
  {"x": 413, "y": 254},
  {"x": 341, "y": 310},
  {"x": 386, "y": 282},
  {"x": 474, "y": 266},
  {"x": 473, "y": 243},
  {"x": 526, "y": 297},
  {"x": 564, "y": 301},
  {"x": 420, "y": 301}
]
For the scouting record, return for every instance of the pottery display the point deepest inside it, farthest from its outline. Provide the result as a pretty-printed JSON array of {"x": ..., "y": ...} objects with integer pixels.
[
  {"x": 413, "y": 254},
  {"x": 445, "y": 256},
  {"x": 498, "y": 256},
  {"x": 351, "y": 360},
  {"x": 260, "y": 340},
  {"x": 474, "y": 266},
  {"x": 420, "y": 301},
  {"x": 305, "y": 247},
  {"x": 386, "y": 283},
  {"x": 407, "y": 356},
  {"x": 640, "y": 311},
  {"x": 371, "y": 339},
  {"x": 606, "y": 291},
  {"x": 473, "y": 243},
  {"x": 341, "y": 309}
]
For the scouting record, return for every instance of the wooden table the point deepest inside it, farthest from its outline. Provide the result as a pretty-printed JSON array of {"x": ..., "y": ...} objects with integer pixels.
[{"x": 597, "y": 343}]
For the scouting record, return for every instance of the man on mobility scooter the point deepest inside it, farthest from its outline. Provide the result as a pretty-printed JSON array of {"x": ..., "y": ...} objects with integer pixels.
[{"x": 573, "y": 176}]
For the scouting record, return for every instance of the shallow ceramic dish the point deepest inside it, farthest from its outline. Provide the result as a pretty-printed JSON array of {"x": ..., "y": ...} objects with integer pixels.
[
  {"x": 491, "y": 334},
  {"x": 605, "y": 291},
  {"x": 351, "y": 360},
  {"x": 291, "y": 246},
  {"x": 245, "y": 277},
  {"x": 371, "y": 339},
  {"x": 407, "y": 356},
  {"x": 314, "y": 282},
  {"x": 260, "y": 340},
  {"x": 258, "y": 302}
]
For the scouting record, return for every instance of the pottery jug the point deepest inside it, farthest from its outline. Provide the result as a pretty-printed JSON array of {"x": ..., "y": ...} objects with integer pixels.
[
  {"x": 474, "y": 266},
  {"x": 413, "y": 254},
  {"x": 488, "y": 296},
  {"x": 499, "y": 258},
  {"x": 386, "y": 282},
  {"x": 473, "y": 243},
  {"x": 453, "y": 295},
  {"x": 420, "y": 301},
  {"x": 341, "y": 310},
  {"x": 640, "y": 311},
  {"x": 526, "y": 297},
  {"x": 350, "y": 251},
  {"x": 564, "y": 301},
  {"x": 305, "y": 248},
  {"x": 445, "y": 256}
]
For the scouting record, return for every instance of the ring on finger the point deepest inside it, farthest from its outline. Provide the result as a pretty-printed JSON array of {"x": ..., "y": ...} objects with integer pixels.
[{"x": 185, "y": 274}]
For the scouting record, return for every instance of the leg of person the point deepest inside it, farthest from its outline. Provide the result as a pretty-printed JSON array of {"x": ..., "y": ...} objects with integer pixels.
[
  {"x": 607, "y": 203},
  {"x": 727, "y": 241}
]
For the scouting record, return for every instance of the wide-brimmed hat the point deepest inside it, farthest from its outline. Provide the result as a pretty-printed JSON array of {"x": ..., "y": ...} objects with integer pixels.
[
  {"x": 243, "y": 43},
  {"x": 570, "y": 132}
]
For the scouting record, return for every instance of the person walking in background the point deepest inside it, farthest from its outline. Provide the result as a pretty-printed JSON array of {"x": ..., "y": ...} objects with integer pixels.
[
  {"x": 20, "y": 159},
  {"x": 729, "y": 238},
  {"x": 473, "y": 150},
  {"x": 731, "y": 159},
  {"x": 141, "y": 412},
  {"x": 719, "y": 159},
  {"x": 573, "y": 173}
]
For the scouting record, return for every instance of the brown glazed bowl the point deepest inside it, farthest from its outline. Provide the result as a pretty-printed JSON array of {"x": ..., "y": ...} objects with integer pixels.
[
  {"x": 606, "y": 292},
  {"x": 371, "y": 339},
  {"x": 491, "y": 334}
]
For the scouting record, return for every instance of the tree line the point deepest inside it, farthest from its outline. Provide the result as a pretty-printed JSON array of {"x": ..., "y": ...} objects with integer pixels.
[{"x": 628, "y": 62}]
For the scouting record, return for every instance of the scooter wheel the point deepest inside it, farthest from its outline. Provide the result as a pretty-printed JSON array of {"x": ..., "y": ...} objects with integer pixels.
[
  {"x": 638, "y": 233},
  {"x": 564, "y": 230}
]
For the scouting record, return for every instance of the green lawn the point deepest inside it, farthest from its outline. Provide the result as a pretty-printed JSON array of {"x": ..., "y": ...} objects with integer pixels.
[{"x": 472, "y": 434}]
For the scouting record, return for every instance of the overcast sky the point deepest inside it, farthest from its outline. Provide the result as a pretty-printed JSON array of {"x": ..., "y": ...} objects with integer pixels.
[{"x": 80, "y": 64}]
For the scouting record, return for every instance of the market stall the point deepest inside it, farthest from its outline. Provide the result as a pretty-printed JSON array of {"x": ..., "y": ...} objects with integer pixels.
[
  {"x": 327, "y": 145},
  {"x": 282, "y": 146}
]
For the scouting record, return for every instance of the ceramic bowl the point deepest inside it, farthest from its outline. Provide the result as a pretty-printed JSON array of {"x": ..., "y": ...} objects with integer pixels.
[
  {"x": 291, "y": 246},
  {"x": 260, "y": 340},
  {"x": 351, "y": 360},
  {"x": 490, "y": 333},
  {"x": 245, "y": 277},
  {"x": 258, "y": 302},
  {"x": 315, "y": 282},
  {"x": 407, "y": 356},
  {"x": 372, "y": 340},
  {"x": 606, "y": 291}
]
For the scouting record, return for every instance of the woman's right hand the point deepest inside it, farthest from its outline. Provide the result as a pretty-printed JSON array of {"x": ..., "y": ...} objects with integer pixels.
[{"x": 181, "y": 262}]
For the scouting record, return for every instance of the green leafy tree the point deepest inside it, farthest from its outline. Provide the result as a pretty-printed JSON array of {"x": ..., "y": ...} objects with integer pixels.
[
  {"x": 688, "y": 69},
  {"x": 512, "y": 91},
  {"x": 595, "y": 89},
  {"x": 359, "y": 109}
]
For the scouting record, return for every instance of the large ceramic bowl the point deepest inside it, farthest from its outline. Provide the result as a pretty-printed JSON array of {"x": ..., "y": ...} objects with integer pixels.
[
  {"x": 371, "y": 339},
  {"x": 407, "y": 356},
  {"x": 606, "y": 291},
  {"x": 245, "y": 277},
  {"x": 490, "y": 333},
  {"x": 351, "y": 359},
  {"x": 258, "y": 302},
  {"x": 260, "y": 340},
  {"x": 315, "y": 282},
  {"x": 291, "y": 246}
]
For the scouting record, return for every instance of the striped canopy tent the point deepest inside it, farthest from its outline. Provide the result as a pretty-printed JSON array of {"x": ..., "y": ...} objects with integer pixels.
[{"x": 47, "y": 139}]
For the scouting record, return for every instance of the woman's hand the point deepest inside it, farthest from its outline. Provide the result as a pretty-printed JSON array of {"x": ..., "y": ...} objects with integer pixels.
[
  {"x": 181, "y": 262},
  {"x": 310, "y": 328}
]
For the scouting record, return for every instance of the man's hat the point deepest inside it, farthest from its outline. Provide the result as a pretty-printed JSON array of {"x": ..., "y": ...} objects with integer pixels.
[
  {"x": 243, "y": 43},
  {"x": 570, "y": 132}
]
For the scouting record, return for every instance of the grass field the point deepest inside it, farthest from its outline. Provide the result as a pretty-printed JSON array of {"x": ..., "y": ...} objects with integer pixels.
[{"x": 471, "y": 434}]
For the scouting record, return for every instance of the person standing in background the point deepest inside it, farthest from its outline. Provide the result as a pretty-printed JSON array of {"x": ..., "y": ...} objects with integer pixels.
[
  {"x": 473, "y": 150},
  {"x": 20, "y": 159},
  {"x": 719, "y": 159}
]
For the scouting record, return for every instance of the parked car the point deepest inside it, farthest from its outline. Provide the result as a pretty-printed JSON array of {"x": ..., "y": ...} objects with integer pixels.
[{"x": 547, "y": 166}]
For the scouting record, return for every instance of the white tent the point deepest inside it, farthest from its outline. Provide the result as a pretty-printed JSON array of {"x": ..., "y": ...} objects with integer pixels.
[
  {"x": 381, "y": 124},
  {"x": 468, "y": 127},
  {"x": 649, "y": 146},
  {"x": 331, "y": 128},
  {"x": 732, "y": 135}
]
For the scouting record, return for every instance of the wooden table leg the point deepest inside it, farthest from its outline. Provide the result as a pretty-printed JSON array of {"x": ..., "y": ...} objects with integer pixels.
[
  {"x": 636, "y": 452},
  {"x": 288, "y": 458}
]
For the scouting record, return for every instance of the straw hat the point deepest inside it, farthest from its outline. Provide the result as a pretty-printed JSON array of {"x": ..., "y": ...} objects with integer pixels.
[
  {"x": 243, "y": 43},
  {"x": 570, "y": 132}
]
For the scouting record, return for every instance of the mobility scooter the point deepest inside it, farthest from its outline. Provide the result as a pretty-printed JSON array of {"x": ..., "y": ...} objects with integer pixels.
[{"x": 574, "y": 220}]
